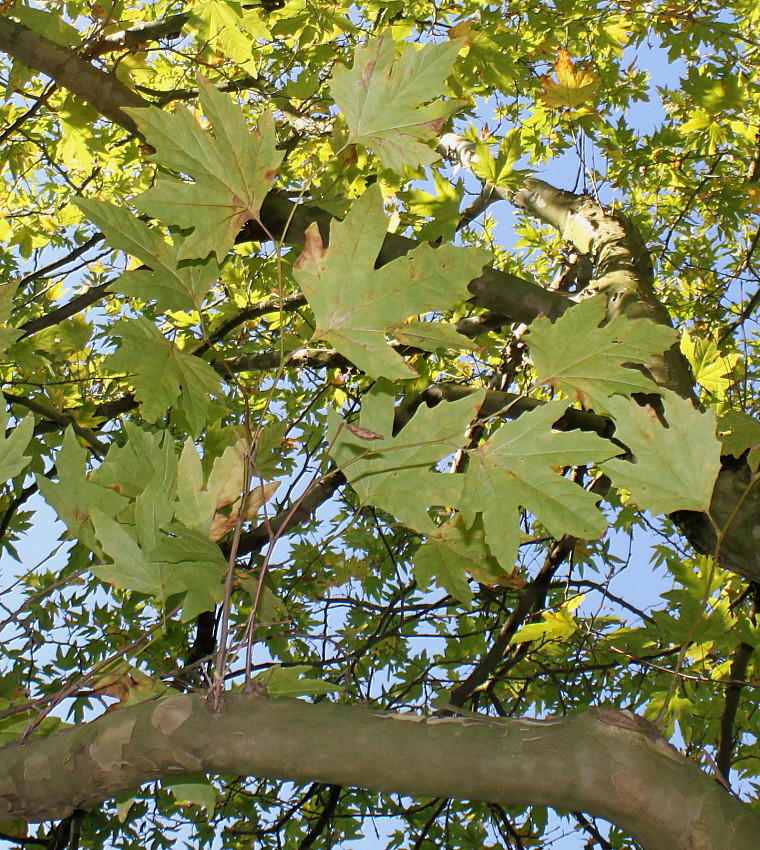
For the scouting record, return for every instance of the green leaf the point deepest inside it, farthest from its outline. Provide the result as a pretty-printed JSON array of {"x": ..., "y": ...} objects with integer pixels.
[
  {"x": 195, "y": 505},
  {"x": 515, "y": 468},
  {"x": 76, "y": 495},
  {"x": 12, "y": 458},
  {"x": 181, "y": 564},
  {"x": 161, "y": 374},
  {"x": 386, "y": 100},
  {"x": 589, "y": 363},
  {"x": 130, "y": 568},
  {"x": 171, "y": 285},
  {"x": 48, "y": 24},
  {"x": 675, "y": 467},
  {"x": 193, "y": 789},
  {"x": 393, "y": 473},
  {"x": 223, "y": 23},
  {"x": 458, "y": 550},
  {"x": 199, "y": 567},
  {"x": 7, "y": 335},
  {"x": 499, "y": 170},
  {"x": 285, "y": 682},
  {"x": 738, "y": 432},
  {"x": 442, "y": 208},
  {"x": 553, "y": 624},
  {"x": 357, "y": 305},
  {"x": 232, "y": 171},
  {"x": 711, "y": 367},
  {"x": 144, "y": 456},
  {"x": 433, "y": 336}
]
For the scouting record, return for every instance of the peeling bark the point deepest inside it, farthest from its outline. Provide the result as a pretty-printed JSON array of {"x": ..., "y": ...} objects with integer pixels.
[{"x": 606, "y": 763}]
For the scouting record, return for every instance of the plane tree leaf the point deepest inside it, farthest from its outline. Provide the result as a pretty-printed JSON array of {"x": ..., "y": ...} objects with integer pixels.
[
  {"x": 356, "y": 305},
  {"x": 738, "y": 432},
  {"x": 287, "y": 682},
  {"x": 573, "y": 86},
  {"x": 162, "y": 374},
  {"x": 675, "y": 465},
  {"x": 8, "y": 335},
  {"x": 75, "y": 495},
  {"x": 181, "y": 564},
  {"x": 711, "y": 367},
  {"x": 456, "y": 552},
  {"x": 432, "y": 336},
  {"x": 229, "y": 26},
  {"x": 173, "y": 286},
  {"x": 394, "y": 473},
  {"x": 516, "y": 468},
  {"x": 12, "y": 447},
  {"x": 232, "y": 171},
  {"x": 392, "y": 104},
  {"x": 590, "y": 363}
]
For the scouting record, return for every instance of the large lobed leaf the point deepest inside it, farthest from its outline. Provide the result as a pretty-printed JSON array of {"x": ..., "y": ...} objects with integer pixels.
[
  {"x": 386, "y": 100},
  {"x": 357, "y": 305},
  {"x": 171, "y": 284},
  {"x": 394, "y": 473},
  {"x": 232, "y": 171},
  {"x": 591, "y": 363},
  {"x": 515, "y": 469},
  {"x": 675, "y": 465},
  {"x": 162, "y": 374}
]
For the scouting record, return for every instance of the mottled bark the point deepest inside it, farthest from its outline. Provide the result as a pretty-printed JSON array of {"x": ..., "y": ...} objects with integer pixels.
[{"x": 606, "y": 763}]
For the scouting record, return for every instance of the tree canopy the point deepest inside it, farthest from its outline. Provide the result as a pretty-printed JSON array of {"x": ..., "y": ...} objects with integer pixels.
[{"x": 390, "y": 370}]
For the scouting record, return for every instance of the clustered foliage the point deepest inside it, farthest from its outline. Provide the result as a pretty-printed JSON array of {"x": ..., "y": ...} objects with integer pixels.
[{"x": 318, "y": 416}]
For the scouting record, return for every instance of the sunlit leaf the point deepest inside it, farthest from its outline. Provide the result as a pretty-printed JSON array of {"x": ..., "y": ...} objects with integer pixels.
[{"x": 392, "y": 105}]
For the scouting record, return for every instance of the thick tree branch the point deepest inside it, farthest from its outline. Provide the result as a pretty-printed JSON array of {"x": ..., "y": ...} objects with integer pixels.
[
  {"x": 103, "y": 91},
  {"x": 605, "y": 763}
]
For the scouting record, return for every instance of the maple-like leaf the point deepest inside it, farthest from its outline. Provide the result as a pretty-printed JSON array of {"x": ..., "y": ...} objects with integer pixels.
[
  {"x": 738, "y": 432},
  {"x": 573, "y": 87},
  {"x": 499, "y": 170},
  {"x": 443, "y": 208},
  {"x": 232, "y": 171},
  {"x": 588, "y": 363},
  {"x": 514, "y": 469},
  {"x": 229, "y": 26},
  {"x": 392, "y": 105},
  {"x": 171, "y": 284},
  {"x": 675, "y": 466},
  {"x": 178, "y": 564},
  {"x": 710, "y": 366},
  {"x": 12, "y": 447},
  {"x": 162, "y": 374},
  {"x": 394, "y": 473},
  {"x": 356, "y": 305},
  {"x": 457, "y": 551},
  {"x": 8, "y": 335},
  {"x": 75, "y": 495}
]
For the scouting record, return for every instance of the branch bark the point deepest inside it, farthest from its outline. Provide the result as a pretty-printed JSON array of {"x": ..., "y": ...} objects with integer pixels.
[
  {"x": 605, "y": 763},
  {"x": 103, "y": 91}
]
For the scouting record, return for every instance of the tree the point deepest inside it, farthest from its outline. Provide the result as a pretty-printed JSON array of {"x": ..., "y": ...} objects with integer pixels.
[{"x": 346, "y": 465}]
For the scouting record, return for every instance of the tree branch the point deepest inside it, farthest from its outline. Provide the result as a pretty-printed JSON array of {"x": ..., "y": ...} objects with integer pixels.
[
  {"x": 738, "y": 673},
  {"x": 103, "y": 91},
  {"x": 605, "y": 763}
]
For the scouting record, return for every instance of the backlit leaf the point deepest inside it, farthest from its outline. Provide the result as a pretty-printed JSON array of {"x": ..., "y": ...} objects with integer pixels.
[
  {"x": 392, "y": 105},
  {"x": 232, "y": 171}
]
